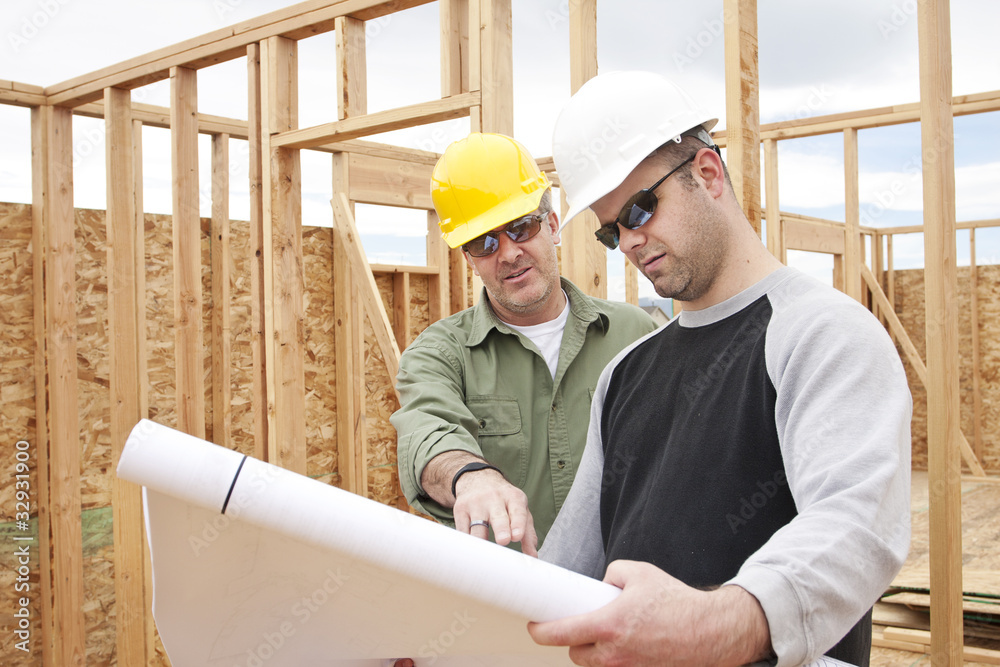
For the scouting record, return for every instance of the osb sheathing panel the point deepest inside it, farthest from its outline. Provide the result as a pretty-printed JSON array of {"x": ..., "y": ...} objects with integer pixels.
[
  {"x": 17, "y": 423},
  {"x": 17, "y": 408},
  {"x": 320, "y": 356},
  {"x": 910, "y": 308}
]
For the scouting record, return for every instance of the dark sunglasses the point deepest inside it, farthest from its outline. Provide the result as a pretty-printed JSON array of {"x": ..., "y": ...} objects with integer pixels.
[
  {"x": 637, "y": 210},
  {"x": 519, "y": 231}
]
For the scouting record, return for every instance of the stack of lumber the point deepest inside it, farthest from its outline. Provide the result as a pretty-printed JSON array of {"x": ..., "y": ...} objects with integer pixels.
[{"x": 902, "y": 617}]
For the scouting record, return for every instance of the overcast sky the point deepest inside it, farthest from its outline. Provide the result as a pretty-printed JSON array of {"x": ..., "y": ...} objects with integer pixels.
[{"x": 815, "y": 58}]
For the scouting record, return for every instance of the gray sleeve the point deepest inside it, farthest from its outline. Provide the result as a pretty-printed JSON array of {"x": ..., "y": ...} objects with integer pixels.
[{"x": 843, "y": 418}]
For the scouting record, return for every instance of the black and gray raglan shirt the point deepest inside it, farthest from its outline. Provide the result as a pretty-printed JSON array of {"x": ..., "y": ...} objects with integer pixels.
[{"x": 762, "y": 442}]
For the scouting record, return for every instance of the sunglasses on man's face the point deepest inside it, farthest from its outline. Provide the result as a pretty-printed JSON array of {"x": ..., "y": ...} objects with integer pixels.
[
  {"x": 519, "y": 231},
  {"x": 636, "y": 212}
]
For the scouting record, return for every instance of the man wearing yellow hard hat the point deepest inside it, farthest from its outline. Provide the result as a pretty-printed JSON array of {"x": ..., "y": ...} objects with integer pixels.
[{"x": 495, "y": 400}]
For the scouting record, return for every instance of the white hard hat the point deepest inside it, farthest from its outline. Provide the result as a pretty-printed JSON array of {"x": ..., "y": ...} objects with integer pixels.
[{"x": 611, "y": 125}]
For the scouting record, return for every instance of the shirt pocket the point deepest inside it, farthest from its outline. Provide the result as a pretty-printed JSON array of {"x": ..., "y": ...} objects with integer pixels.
[{"x": 500, "y": 435}]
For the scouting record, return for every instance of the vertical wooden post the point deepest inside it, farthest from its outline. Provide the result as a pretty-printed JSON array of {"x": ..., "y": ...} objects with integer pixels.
[
  {"x": 259, "y": 301},
  {"x": 460, "y": 72},
  {"x": 878, "y": 263},
  {"x": 140, "y": 307},
  {"x": 41, "y": 118},
  {"x": 496, "y": 76},
  {"x": 584, "y": 260},
  {"x": 401, "y": 308},
  {"x": 890, "y": 277},
  {"x": 743, "y": 105},
  {"x": 774, "y": 236},
  {"x": 977, "y": 372},
  {"x": 282, "y": 211},
  {"x": 631, "y": 283},
  {"x": 352, "y": 434},
  {"x": 52, "y": 129},
  {"x": 437, "y": 255},
  {"x": 852, "y": 205},
  {"x": 124, "y": 331},
  {"x": 940, "y": 279},
  {"x": 838, "y": 272},
  {"x": 222, "y": 393},
  {"x": 188, "y": 336}
]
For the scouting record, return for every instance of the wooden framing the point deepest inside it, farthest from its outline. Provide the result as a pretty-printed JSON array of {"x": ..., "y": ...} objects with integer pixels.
[
  {"x": 940, "y": 284},
  {"x": 125, "y": 322},
  {"x": 52, "y": 168},
  {"x": 583, "y": 261},
  {"x": 743, "y": 105},
  {"x": 977, "y": 372},
  {"x": 282, "y": 214},
  {"x": 477, "y": 81},
  {"x": 188, "y": 337}
]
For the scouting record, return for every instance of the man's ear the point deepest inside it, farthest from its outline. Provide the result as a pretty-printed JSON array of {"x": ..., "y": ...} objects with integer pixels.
[
  {"x": 468, "y": 258},
  {"x": 553, "y": 221},
  {"x": 708, "y": 165}
]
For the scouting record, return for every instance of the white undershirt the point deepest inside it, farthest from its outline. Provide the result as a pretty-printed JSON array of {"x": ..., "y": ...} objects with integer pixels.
[{"x": 547, "y": 336}]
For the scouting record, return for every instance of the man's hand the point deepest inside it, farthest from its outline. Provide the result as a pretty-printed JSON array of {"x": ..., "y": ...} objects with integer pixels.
[
  {"x": 658, "y": 620},
  {"x": 482, "y": 495}
]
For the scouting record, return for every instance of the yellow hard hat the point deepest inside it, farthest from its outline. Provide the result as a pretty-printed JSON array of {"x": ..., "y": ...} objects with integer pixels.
[{"x": 482, "y": 182}]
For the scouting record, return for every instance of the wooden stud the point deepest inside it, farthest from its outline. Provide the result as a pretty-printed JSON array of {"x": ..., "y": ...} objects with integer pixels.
[
  {"x": 584, "y": 261},
  {"x": 349, "y": 341},
  {"x": 631, "y": 283},
  {"x": 743, "y": 105},
  {"x": 259, "y": 303},
  {"x": 458, "y": 277},
  {"x": 41, "y": 121},
  {"x": 838, "y": 271},
  {"x": 940, "y": 281},
  {"x": 222, "y": 345},
  {"x": 140, "y": 307},
  {"x": 401, "y": 308},
  {"x": 800, "y": 233},
  {"x": 52, "y": 131},
  {"x": 188, "y": 335},
  {"x": 438, "y": 297},
  {"x": 125, "y": 324},
  {"x": 922, "y": 639},
  {"x": 454, "y": 19},
  {"x": 878, "y": 261},
  {"x": 977, "y": 371},
  {"x": 852, "y": 205},
  {"x": 352, "y": 435},
  {"x": 496, "y": 76},
  {"x": 774, "y": 223},
  {"x": 282, "y": 211},
  {"x": 890, "y": 277}
]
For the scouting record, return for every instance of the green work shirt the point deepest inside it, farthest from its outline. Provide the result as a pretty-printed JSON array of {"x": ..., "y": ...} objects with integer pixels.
[{"x": 469, "y": 382}]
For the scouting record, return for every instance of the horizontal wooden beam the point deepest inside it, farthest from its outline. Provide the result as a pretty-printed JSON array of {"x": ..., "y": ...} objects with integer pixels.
[
  {"x": 404, "y": 268},
  {"x": 868, "y": 118},
  {"x": 21, "y": 94},
  {"x": 922, "y": 638},
  {"x": 376, "y": 180},
  {"x": 812, "y": 235},
  {"x": 918, "y": 229},
  {"x": 378, "y": 122},
  {"x": 296, "y": 22}
]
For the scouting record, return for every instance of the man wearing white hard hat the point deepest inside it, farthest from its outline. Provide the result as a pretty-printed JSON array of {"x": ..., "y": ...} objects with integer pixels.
[
  {"x": 764, "y": 507},
  {"x": 494, "y": 399}
]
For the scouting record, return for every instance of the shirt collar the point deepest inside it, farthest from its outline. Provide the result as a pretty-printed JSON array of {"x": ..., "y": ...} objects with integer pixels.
[{"x": 484, "y": 319}]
